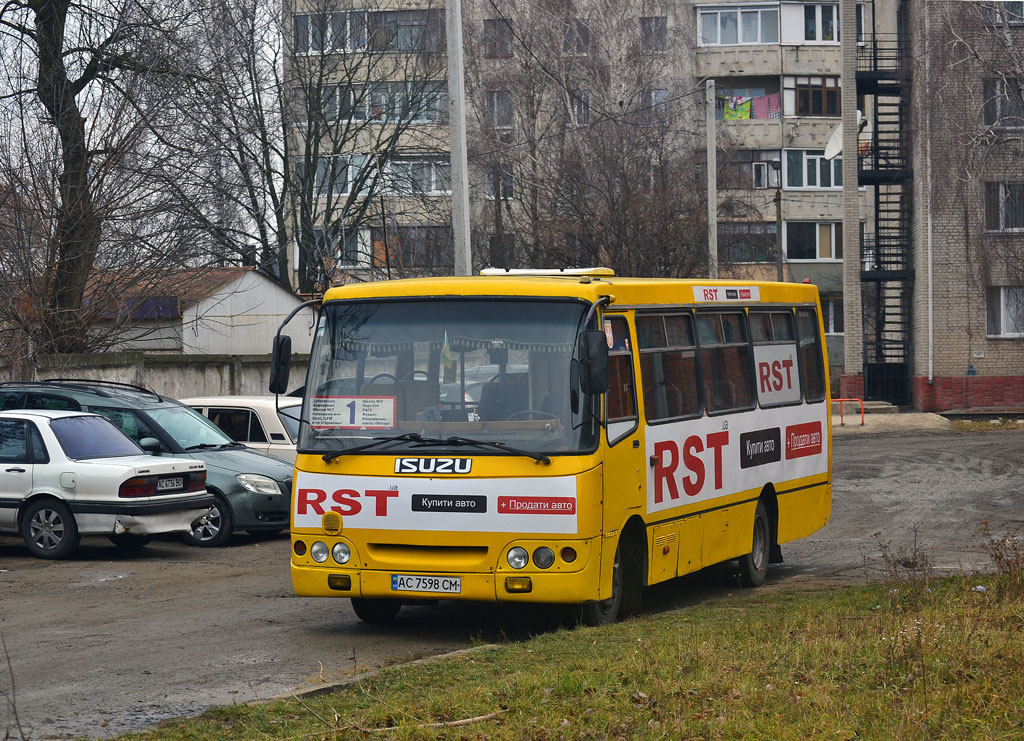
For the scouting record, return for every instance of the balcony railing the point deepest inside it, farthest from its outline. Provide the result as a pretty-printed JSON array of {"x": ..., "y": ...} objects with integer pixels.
[{"x": 882, "y": 52}]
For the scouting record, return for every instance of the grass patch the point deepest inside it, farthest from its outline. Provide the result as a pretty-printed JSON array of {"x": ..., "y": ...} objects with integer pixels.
[
  {"x": 913, "y": 657},
  {"x": 983, "y": 425}
]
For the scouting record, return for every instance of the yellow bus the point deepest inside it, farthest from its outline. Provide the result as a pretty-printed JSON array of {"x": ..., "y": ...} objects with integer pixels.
[{"x": 565, "y": 437}]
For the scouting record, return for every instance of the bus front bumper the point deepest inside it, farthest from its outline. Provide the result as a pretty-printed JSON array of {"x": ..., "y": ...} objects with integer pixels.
[{"x": 568, "y": 587}]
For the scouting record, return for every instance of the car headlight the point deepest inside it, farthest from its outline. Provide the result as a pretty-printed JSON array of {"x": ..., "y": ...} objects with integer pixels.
[
  {"x": 318, "y": 551},
  {"x": 341, "y": 553},
  {"x": 258, "y": 483},
  {"x": 517, "y": 557},
  {"x": 543, "y": 557}
]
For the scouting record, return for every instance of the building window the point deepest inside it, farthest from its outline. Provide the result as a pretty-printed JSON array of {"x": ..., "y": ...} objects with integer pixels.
[
  {"x": 419, "y": 175},
  {"x": 497, "y": 39},
  {"x": 813, "y": 240},
  {"x": 654, "y": 34},
  {"x": 808, "y": 168},
  {"x": 751, "y": 168},
  {"x": 499, "y": 109},
  {"x": 832, "y": 314},
  {"x": 655, "y": 105},
  {"x": 501, "y": 173},
  {"x": 334, "y": 175},
  {"x": 344, "y": 249},
  {"x": 738, "y": 25},
  {"x": 416, "y": 246},
  {"x": 1004, "y": 207},
  {"x": 1005, "y": 311},
  {"x": 811, "y": 96},
  {"x": 580, "y": 107},
  {"x": 1003, "y": 105},
  {"x": 1009, "y": 12},
  {"x": 821, "y": 22},
  {"x": 406, "y": 31},
  {"x": 575, "y": 38},
  {"x": 747, "y": 241},
  {"x": 322, "y": 33}
]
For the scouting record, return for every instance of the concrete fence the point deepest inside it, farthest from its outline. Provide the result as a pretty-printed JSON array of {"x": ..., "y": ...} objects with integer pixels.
[{"x": 176, "y": 376}]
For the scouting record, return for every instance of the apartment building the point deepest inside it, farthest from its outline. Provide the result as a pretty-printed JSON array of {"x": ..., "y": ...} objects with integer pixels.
[
  {"x": 935, "y": 299},
  {"x": 586, "y": 125}
]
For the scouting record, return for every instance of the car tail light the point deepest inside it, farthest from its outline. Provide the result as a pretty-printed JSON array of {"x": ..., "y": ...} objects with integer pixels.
[
  {"x": 196, "y": 481},
  {"x": 140, "y": 486}
]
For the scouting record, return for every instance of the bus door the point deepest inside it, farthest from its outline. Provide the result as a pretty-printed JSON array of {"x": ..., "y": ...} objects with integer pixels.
[{"x": 625, "y": 474}]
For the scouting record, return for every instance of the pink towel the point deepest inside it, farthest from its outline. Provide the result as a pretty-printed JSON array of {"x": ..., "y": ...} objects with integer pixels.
[{"x": 762, "y": 108}]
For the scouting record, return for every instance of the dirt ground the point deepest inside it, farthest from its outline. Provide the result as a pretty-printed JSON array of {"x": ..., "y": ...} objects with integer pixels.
[{"x": 108, "y": 642}]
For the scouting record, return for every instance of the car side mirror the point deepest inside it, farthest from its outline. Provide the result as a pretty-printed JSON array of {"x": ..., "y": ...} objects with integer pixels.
[
  {"x": 150, "y": 444},
  {"x": 594, "y": 361},
  {"x": 280, "y": 364}
]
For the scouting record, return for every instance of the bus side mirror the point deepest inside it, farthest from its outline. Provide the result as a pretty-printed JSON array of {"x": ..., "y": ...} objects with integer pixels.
[
  {"x": 280, "y": 364},
  {"x": 594, "y": 362}
]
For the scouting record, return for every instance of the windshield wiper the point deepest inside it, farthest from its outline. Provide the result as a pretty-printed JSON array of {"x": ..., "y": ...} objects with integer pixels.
[
  {"x": 203, "y": 446},
  {"x": 408, "y": 436},
  {"x": 540, "y": 457},
  {"x": 421, "y": 441}
]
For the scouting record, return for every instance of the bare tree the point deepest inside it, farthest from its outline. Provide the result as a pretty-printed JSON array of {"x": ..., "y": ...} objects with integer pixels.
[
  {"x": 588, "y": 144},
  {"x": 314, "y": 115},
  {"x": 89, "y": 110}
]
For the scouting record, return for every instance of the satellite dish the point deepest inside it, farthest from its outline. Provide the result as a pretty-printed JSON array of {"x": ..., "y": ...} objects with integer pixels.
[{"x": 834, "y": 148}]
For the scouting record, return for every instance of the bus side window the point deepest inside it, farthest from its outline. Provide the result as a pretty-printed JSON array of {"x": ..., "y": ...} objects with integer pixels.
[
  {"x": 668, "y": 366},
  {"x": 776, "y": 359},
  {"x": 726, "y": 362},
  {"x": 812, "y": 375},
  {"x": 622, "y": 417}
]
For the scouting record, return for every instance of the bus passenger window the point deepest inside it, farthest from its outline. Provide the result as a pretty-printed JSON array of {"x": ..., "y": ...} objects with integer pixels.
[
  {"x": 775, "y": 358},
  {"x": 621, "y": 393},
  {"x": 812, "y": 374},
  {"x": 668, "y": 366},
  {"x": 725, "y": 361}
]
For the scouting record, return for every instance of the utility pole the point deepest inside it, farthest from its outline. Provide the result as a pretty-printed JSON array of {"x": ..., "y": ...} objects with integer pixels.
[
  {"x": 709, "y": 99},
  {"x": 457, "y": 131},
  {"x": 777, "y": 169}
]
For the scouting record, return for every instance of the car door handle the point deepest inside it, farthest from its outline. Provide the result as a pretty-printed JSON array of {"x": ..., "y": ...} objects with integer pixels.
[{"x": 15, "y": 470}]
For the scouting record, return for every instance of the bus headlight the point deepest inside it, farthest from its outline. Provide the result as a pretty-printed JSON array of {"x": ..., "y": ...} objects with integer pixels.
[
  {"x": 517, "y": 558},
  {"x": 543, "y": 557},
  {"x": 341, "y": 553},
  {"x": 319, "y": 551}
]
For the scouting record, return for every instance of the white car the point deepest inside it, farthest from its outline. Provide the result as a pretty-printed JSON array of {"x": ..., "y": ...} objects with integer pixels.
[
  {"x": 67, "y": 474},
  {"x": 254, "y": 421}
]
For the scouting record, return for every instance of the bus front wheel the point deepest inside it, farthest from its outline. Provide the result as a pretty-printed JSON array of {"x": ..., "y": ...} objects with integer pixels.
[
  {"x": 376, "y": 610},
  {"x": 602, "y": 612},
  {"x": 754, "y": 565}
]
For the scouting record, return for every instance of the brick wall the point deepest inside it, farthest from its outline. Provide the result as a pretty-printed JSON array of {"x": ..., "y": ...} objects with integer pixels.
[{"x": 969, "y": 392}]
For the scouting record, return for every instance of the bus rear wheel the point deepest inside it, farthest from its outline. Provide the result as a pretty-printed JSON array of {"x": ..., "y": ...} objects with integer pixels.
[
  {"x": 754, "y": 565},
  {"x": 376, "y": 610}
]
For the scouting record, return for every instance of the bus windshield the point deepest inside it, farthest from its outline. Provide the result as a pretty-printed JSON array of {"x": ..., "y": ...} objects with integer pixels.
[{"x": 440, "y": 374}]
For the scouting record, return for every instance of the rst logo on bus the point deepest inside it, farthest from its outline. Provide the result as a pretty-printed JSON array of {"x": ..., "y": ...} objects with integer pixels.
[{"x": 433, "y": 465}]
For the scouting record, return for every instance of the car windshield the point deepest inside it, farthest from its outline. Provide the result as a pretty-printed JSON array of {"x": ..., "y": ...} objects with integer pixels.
[
  {"x": 82, "y": 438},
  {"x": 188, "y": 428},
  {"x": 289, "y": 419},
  {"x": 492, "y": 370}
]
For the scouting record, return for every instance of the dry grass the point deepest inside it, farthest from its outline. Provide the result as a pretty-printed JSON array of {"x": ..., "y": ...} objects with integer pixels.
[{"x": 911, "y": 658}]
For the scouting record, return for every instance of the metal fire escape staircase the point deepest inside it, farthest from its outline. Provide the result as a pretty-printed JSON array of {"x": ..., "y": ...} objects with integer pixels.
[{"x": 887, "y": 272}]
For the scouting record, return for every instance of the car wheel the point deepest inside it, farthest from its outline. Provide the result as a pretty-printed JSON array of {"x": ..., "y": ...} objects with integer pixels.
[
  {"x": 214, "y": 529},
  {"x": 129, "y": 542},
  {"x": 49, "y": 529},
  {"x": 376, "y": 610},
  {"x": 603, "y": 612}
]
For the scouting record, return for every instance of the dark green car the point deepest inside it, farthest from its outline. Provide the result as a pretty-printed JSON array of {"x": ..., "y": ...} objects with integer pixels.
[{"x": 251, "y": 490}]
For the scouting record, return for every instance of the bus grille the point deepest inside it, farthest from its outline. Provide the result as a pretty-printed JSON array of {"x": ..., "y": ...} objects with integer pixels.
[{"x": 429, "y": 557}]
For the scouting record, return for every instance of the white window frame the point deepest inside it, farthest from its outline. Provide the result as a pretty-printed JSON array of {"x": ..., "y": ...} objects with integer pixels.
[
  {"x": 1002, "y": 228},
  {"x": 655, "y": 104},
  {"x": 359, "y": 253},
  {"x": 790, "y": 83},
  {"x": 818, "y": 26},
  {"x": 493, "y": 97},
  {"x": 399, "y": 179},
  {"x": 579, "y": 108},
  {"x": 508, "y": 181},
  {"x": 999, "y": 102},
  {"x": 338, "y": 24},
  {"x": 739, "y": 11},
  {"x": 1009, "y": 318},
  {"x": 830, "y": 307},
  {"x": 836, "y": 227},
  {"x": 815, "y": 157}
]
